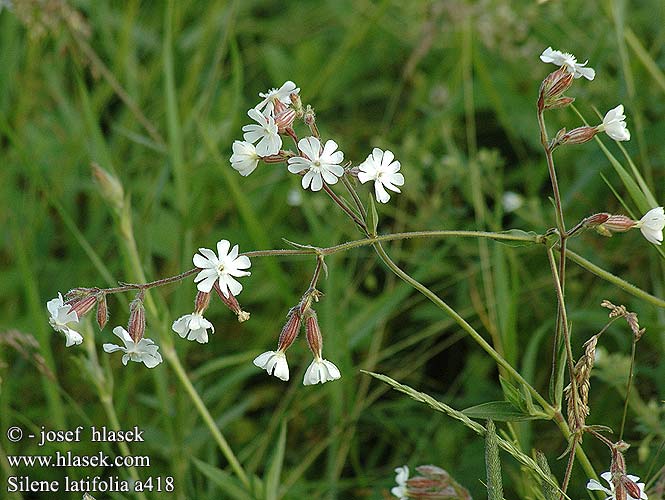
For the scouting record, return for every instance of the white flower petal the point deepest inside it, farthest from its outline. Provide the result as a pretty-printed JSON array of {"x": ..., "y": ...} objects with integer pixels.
[
  {"x": 273, "y": 362},
  {"x": 207, "y": 284}
]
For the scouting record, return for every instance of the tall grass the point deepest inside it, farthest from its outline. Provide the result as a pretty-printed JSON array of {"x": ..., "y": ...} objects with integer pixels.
[{"x": 156, "y": 92}]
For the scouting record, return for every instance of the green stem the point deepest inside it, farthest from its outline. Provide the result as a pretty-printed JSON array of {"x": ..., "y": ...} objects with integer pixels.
[
  {"x": 174, "y": 361},
  {"x": 462, "y": 323}
]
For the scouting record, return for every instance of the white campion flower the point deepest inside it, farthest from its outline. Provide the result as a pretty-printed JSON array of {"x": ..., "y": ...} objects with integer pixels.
[
  {"x": 144, "y": 351},
  {"x": 321, "y": 371},
  {"x": 244, "y": 159},
  {"x": 382, "y": 168},
  {"x": 569, "y": 61},
  {"x": 62, "y": 318},
  {"x": 320, "y": 164},
  {"x": 652, "y": 225},
  {"x": 273, "y": 362},
  {"x": 265, "y": 132},
  {"x": 511, "y": 201},
  {"x": 283, "y": 95},
  {"x": 401, "y": 477},
  {"x": 225, "y": 267},
  {"x": 193, "y": 327},
  {"x": 614, "y": 124},
  {"x": 607, "y": 476}
]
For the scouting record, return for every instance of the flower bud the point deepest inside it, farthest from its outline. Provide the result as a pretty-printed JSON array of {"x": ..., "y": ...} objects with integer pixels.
[
  {"x": 552, "y": 89},
  {"x": 284, "y": 120},
  {"x": 232, "y": 303},
  {"x": 84, "y": 306},
  {"x": 296, "y": 103},
  {"x": 313, "y": 333},
  {"x": 109, "y": 186},
  {"x": 279, "y": 106},
  {"x": 578, "y": 135},
  {"x": 102, "y": 311},
  {"x": 136, "y": 325},
  {"x": 309, "y": 117},
  {"x": 290, "y": 330},
  {"x": 631, "y": 487},
  {"x": 619, "y": 223}
]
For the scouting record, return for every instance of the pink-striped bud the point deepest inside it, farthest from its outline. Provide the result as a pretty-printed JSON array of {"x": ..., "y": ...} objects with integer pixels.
[
  {"x": 631, "y": 487},
  {"x": 279, "y": 106},
  {"x": 290, "y": 330},
  {"x": 285, "y": 119},
  {"x": 202, "y": 301},
  {"x": 102, "y": 311},
  {"x": 313, "y": 333},
  {"x": 619, "y": 223},
  {"x": 83, "y": 305},
  {"x": 233, "y": 304},
  {"x": 552, "y": 89},
  {"x": 578, "y": 135},
  {"x": 136, "y": 324}
]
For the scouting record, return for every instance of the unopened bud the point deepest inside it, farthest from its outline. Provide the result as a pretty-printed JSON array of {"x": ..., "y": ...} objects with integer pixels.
[
  {"x": 285, "y": 119},
  {"x": 631, "y": 487},
  {"x": 561, "y": 102},
  {"x": 290, "y": 330},
  {"x": 232, "y": 303},
  {"x": 578, "y": 135},
  {"x": 102, "y": 311},
  {"x": 83, "y": 305},
  {"x": 109, "y": 186},
  {"x": 278, "y": 106},
  {"x": 136, "y": 325},
  {"x": 313, "y": 333},
  {"x": 552, "y": 89},
  {"x": 296, "y": 103},
  {"x": 309, "y": 116}
]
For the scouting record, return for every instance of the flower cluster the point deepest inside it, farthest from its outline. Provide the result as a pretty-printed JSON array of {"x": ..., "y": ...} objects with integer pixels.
[
  {"x": 614, "y": 122},
  {"x": 630, "y": 486},
  {"x": 318, "y": 162},
  {"x": 274, "y": 362}
]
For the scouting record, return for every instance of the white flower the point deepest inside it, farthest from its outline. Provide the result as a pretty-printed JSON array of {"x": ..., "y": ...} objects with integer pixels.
[
  {"x": 274, "y": 362},
  {"x": 380, "y": 168},
  {"x": 194, "y": 327},
  {"x": 614, "y": 124},
  {"x": 511, "y": 201},
  {"x": 225, "y": 267},
  {"x": 401, "y": 478},
  {"x": 145, "y": 351},
  {"x": 244, "y": 158},
  {"x": 321, "y": 371},
  {"x": 569, "y": 61},
  {"x": 283, "y": 94},
  {"x": 321, "y": 165},
  {"x": 607, "y": 476},
  {"x": 61, "y": 318},
  {"x": 265, "y": 131},
  {"x": 652, "y": 225}
]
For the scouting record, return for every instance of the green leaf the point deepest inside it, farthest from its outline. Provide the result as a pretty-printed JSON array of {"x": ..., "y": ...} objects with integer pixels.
[
  {"x": 226, "y": 482},
  {"x": 501, "y": 411},
  {"x": 512, "y": 394},
  {"x": 520, "y": 234},
  {"x": 275, "y": 467},
  {"x": 372, "y": 216}
]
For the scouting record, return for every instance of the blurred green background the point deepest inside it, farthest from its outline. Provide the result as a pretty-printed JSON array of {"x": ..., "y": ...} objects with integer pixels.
[{"x": 156, "y": 92}]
